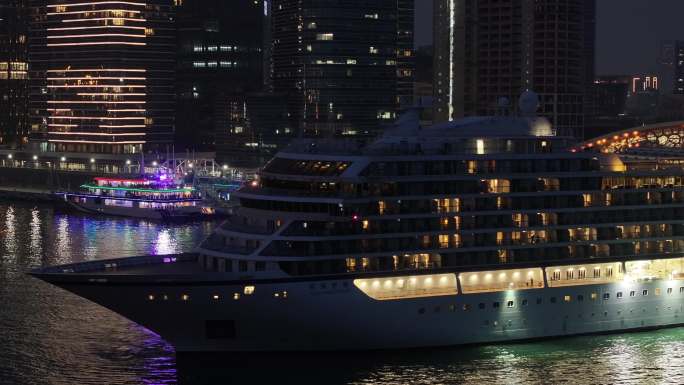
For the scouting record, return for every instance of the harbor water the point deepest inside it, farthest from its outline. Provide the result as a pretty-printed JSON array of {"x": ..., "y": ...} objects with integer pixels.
[{"x": 48, "y": 336}]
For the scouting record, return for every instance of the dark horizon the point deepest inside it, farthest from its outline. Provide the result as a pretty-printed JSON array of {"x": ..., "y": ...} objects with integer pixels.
[{"x": 629, "y": 32}]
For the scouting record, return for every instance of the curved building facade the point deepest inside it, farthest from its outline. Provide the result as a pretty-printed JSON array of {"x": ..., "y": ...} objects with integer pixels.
[{"x": 102, "y": 75}]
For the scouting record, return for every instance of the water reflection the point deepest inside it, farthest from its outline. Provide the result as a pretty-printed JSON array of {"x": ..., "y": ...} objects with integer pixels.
[
  {"x": 50, "y": 336},
  {"x": 35, "y": 245},
  {"x": 641, "y": 358}
]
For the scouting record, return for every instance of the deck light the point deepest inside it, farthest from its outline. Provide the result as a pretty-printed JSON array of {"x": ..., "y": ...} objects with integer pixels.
[
  {"x": 92, "y": 160},
  {"x": 35, "y": 157},
  {"x": 63, "y": 159},
  {"x": 9, "y": 156}
]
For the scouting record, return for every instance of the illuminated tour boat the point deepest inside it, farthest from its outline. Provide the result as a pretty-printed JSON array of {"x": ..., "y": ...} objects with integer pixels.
[
  {"x": 482, "y": 230},
  {"x": 154, "y": 198}
]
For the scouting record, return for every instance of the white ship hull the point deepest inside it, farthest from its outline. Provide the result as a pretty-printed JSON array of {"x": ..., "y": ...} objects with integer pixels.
[
  {"x": 335, "y": 315},
  {"x": 135, "y": 212}
]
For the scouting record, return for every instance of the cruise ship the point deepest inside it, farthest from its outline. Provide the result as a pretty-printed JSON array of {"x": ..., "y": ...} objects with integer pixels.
[{"x": 483, "y": 230}]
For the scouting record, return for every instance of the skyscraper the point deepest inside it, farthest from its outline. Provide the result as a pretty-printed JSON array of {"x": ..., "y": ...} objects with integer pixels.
[
  {"x": 102, "y": 75},
  {"x": 679, "y": 67},
  {"x": 488, "y": 50},
  {"x": 406, "y": 60},
  {"x": 337, "y": 62},
  {"x": 13, "y": 73},
  {"x": 221, "y": 59}
]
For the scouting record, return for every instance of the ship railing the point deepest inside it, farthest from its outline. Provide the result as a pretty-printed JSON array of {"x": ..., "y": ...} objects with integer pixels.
[
  {"x": 232, "y": 225},
  {"x": 471, "y": 289},
  {"x": 114, "y": 264}
]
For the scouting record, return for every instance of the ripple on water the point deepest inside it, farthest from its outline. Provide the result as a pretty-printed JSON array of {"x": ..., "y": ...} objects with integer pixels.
[{"x": 48, "y": 336}]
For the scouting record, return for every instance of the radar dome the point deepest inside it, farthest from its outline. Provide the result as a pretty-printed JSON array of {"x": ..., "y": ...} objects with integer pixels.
[{"x": 529, "y": 103}]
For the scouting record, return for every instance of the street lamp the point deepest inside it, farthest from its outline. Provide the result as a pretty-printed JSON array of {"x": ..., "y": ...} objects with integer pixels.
[
  {"x": 154, "y": 164},
  {"x": 225, "y": 167},
  {"x": 63, "y": 159},
  {"x": 128, "y": 161},
  {"x": 9, "y": 156},
  {"x": 35, "y": 157},
  {"x": 92, "y": 160}
]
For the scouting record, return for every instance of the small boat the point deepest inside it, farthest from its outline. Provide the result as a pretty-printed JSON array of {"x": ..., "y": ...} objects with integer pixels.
[{"x": 156, "y": 198}]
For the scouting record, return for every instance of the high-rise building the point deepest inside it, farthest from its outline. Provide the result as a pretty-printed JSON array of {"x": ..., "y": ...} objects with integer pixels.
[
  {"x": 336, "y": 60},
  {"x": 13, "y": 73},
  {"x": 406, "y": 61},
  {"x": 679, "y": 67},
  {"x": 102, "y": 75},
  {"x": 259, "y": 127},
  {"x": 221, "y": 46},
  {"x": 488, "y": 51}
]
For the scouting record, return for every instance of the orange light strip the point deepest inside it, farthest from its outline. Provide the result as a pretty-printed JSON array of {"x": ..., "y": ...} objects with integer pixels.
[
  {"x": 93, "y": 118},
  {"x": 102, "y": 18},
  {"x": 107, "y": 94},
  {"x": 92, "y": 11},
  {"x": 94, "y": 43},
  {"x": 62, "y": 125},
  {"x": 128, "y": 110},
  {"x": 93, "y": 102},
  {"x": 96, "y": 35},
  {"x": 96, "y": 3},
  {"x": 96, "y": 27},
  {"x": 98, "y": 133},
  {"x": 98, "y": 86},
  {"x": 94, "y": 141},
  {"x": 96, "y": 70},
  {"x": 124, "y": 126},
  {"x": 99, "y": 78}
]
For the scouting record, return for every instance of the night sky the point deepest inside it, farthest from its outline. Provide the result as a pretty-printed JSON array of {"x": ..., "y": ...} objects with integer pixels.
[{"x": 629, "y": 32}]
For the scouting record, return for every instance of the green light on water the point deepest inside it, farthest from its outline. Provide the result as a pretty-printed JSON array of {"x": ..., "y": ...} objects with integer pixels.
[{"x": 141, "y": 190}]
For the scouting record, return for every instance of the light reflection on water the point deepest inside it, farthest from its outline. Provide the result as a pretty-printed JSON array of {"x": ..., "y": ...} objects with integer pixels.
[{"x": 52, "y": 337}]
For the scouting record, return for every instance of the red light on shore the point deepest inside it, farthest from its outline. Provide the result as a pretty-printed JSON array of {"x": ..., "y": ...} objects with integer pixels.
[{"x": 355, "y": 217}]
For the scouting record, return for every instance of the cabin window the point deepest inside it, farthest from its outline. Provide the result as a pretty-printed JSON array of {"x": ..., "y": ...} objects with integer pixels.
[
  {"x": 466, "y": 307},
  {"x": 619, "y": 294},
  {"x": 496, "y": 305},
  {"x": 553, "y": 299},
  {"x": 539, "y": 301},
  {"x": 606, "y": 296},
  {"x": 249, "y": 290},
  {"x": 567, "y": 298},
  {"x": 632, "y": 293},
  {"x": 644, "y": 292},
  {"x": 580, "y": 298},
  {"x": 669, "y": 290},
  {"x": 481, "y": 305},
  {"x": 594, "y": 296},
  {"x": 511, "y": 304},
  {"x": 657, "y": 291}
]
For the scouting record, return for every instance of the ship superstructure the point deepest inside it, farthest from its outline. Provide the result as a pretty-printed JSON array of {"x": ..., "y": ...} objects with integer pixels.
[{"x": 475, "y": 231}]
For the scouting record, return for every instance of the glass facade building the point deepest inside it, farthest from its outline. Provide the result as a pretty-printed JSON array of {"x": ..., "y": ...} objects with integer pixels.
[
  {"x": 491, "y": 49},
  {"x": 221, "y": 58},
  {"x": 102, "y": 75},
  {"x": 13, "y": 73},
  {"x": 337, "y": 62}
]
